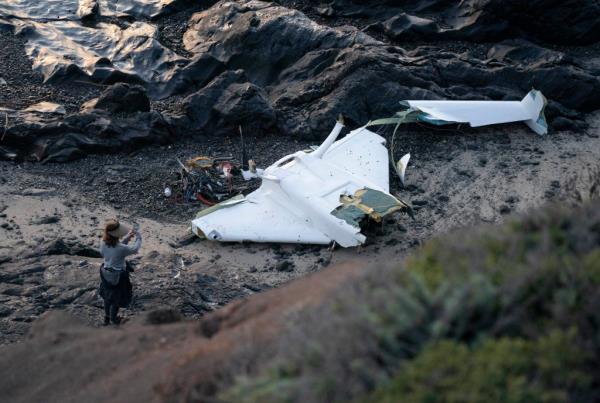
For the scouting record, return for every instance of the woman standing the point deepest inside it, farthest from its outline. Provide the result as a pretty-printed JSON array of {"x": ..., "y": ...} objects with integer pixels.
[{"x": 115, "y": 287}]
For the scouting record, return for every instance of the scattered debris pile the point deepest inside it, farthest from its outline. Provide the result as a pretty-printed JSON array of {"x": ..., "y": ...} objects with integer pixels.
[{"x": 208, "y": 180}]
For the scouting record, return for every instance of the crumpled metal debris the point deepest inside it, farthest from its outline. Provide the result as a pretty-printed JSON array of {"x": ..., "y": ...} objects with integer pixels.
[
  {"x": 370, "y": 203},
  {"x": 208, "y": 180},
  {"x": 204, "y": 179}
]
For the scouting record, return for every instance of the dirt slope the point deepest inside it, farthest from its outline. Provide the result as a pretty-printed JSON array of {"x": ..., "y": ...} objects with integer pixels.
[{"x": 71, "y": 362}]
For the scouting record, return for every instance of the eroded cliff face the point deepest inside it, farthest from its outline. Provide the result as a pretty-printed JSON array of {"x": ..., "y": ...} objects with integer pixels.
[{"x": 291, "y": 67}]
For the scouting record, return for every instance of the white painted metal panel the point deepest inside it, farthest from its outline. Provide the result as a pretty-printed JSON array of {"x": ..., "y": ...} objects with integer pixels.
[
  {"x": 476, "y": 113},
  {"x": 480, "y": 113},
  {"x": 264, "y": 216},
  {"x": 364, "y": 155}
]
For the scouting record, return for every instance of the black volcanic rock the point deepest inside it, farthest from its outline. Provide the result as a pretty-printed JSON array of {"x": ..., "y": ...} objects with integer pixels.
[
  {"x": 121, "y": 98},
  {"x": 262, "y": 38},
  {"x": 570, "y": 22},
  {"x": 270, "y": 68},
  {"x": 230, "y": 101},
  {"x": 66, "y": 247},
  {"x": 50, "y": 137},
  {"x": 405, "y": 26}
]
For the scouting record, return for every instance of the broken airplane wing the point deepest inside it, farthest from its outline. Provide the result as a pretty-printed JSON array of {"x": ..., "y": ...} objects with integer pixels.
[{"x": 311, "y": 197}]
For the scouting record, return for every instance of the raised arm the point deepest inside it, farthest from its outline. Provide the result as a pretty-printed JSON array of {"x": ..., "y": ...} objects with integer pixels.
[
  {"x": 128, "y": 237},
  {"x": 136, "y": 245}
]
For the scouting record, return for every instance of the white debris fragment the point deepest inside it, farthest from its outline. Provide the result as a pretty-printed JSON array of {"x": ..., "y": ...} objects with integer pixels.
[{"x": 401, "y": 166}]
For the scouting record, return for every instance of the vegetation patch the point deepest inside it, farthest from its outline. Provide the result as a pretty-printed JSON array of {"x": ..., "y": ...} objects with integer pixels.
[{"x": 496, "y": 314}]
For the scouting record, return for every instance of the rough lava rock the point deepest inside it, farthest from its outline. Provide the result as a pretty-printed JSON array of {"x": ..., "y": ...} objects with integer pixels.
[
  {"x": 47, "y": 136},
  {"x": 570, "y": 22},
  {"x": 274, "y": 69},
  {"x": 262, "y": 38},
  {"x": 405, "y": 26},
  {"x": 226, "y": 103},
  {"x": 120, "y": 98}
]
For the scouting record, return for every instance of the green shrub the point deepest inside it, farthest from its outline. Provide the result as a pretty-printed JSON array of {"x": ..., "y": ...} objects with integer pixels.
[
  {"x": 469, "y": 317},
  {"x": 504, "y": 370}
]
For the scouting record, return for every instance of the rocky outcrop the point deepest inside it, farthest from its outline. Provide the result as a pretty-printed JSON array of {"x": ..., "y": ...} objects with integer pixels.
[
  {"x": 272, "y": 69},
  {"x": 227, "y": 102},
  {"x": 263, "y": 38},
  {"x": 569, "y": 22},
  {"x": 41, "y": 136},
  {"x": 120, "y": 98},
  {"x": 119, "y": 119}
]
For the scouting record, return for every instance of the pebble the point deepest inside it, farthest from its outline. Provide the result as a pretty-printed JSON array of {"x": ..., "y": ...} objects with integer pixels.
[
  {"x": 504, "y": 209},
  {"x": 5, "y": 311},
  {"x": 285, "y": 266},
  {"x": 464, "y": 172},
  {"x": 46, "y": 220},
  {"x": 530, "y": 162},
  {"x": 38, "y": 192},
  {"x": 324, "y": 261}
]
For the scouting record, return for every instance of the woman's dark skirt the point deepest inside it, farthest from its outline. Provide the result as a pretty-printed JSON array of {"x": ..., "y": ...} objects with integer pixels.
[{"x": 119, "y": 294}]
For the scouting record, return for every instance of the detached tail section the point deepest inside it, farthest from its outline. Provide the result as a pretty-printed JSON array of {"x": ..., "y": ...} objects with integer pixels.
[{"x": 530, "y": 110}]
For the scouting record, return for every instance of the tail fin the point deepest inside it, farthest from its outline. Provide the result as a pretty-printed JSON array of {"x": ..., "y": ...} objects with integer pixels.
[{"x": 534, "y": 102}]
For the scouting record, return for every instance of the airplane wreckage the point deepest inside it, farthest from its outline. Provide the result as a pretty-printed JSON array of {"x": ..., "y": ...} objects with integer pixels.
[{"x": 323, "y": 195}]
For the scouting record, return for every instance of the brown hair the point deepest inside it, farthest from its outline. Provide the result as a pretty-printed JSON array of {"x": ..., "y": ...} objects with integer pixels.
[{"x": 108, "y": 239}]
